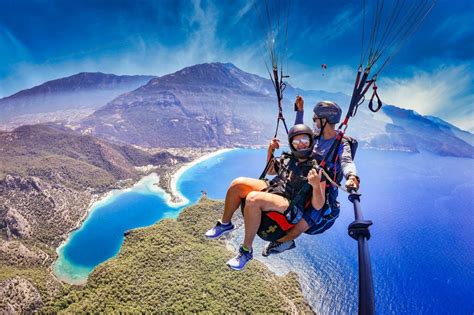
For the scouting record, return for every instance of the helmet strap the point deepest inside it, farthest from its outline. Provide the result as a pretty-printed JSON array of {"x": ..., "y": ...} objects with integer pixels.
[{"x": 322, "y": 127}]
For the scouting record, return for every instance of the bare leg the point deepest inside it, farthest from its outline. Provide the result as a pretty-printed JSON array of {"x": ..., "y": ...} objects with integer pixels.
[
  {"x": 238, "y": 189},
  {"x": 255, "y": 203},
  {"x": 296, "y": 231}
]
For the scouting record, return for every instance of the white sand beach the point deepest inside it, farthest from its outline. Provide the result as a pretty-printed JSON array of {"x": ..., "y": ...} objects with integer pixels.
[{"x": 182, "y": 200}]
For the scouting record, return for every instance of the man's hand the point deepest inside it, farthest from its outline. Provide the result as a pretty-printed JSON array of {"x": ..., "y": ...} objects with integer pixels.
[
  {"x": 352, "y": 182},
  {"x": 274, "y": 144},
  {"x": 314, "y": 177},
  {"x": 299, "y": 103}
]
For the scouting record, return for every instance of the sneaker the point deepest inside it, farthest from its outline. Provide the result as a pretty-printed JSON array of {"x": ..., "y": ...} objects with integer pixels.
[
  {"x": 277, "y": 247},
  {"x": 219, "y": 230},
  {"x": 239, "y": 261}
]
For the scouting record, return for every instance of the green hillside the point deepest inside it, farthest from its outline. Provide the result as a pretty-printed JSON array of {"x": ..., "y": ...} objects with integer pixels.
[{"x": 171, "y": 268}]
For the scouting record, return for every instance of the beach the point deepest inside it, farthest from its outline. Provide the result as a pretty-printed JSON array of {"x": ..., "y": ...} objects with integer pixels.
[{"x": 175, "y": 198}]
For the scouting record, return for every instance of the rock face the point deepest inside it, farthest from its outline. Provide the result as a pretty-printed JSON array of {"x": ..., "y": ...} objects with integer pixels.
[
  {"x": 428, "y": 134},
  {"x": 33, "y": 208},
  {"x": 18, "y": 295},
  {"x": 171, "y": 268},
  {"x": 83, "y": 91},
  {"x": 205, "y": 105},
  {"x": 16, "y": 254}
]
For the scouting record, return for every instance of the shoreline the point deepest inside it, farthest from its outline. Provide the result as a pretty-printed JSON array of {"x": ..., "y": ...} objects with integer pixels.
[
  {"x": 151, "y": 183},
  {"x": 175, "y": 198},
  {"x": 144, "y": 184}
]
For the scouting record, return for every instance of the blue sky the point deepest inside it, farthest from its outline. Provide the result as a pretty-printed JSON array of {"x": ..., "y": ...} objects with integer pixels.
[{"x": 43, "y": 40}]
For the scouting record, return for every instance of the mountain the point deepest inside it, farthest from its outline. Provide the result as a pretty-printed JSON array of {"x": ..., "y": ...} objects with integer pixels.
[
  {"x": 206, "y": 105},
  {"x": 49, "y": 175},
  {"x": 428, "y": 134},
  {"x": 218, "y": 105},
  {"x": 459, "y": 133},
  {"x": 171, "y": 267},
  {"x": 61, "y": 98}
]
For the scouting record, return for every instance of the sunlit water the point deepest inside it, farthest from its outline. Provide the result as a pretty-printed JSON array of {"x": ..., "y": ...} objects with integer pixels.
[{"x": 421, "y": 246}]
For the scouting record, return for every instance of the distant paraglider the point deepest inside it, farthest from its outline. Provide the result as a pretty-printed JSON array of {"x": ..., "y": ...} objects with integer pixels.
[{"x": 323, "y": 69}]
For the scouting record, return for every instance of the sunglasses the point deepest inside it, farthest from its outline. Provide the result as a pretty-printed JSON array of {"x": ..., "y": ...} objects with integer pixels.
[
  {"x": 315, "y": 118},
  {"x": 304, "y": 141}
]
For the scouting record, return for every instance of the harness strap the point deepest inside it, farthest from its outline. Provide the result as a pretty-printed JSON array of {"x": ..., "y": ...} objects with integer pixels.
[
  {"x": 333, "y": 183},
  {"x": 279, "y": 88}
]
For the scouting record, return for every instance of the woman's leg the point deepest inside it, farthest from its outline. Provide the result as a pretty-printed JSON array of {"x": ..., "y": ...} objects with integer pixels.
[
  {"x": 255, "y": 203},
  {"x": 238, "y": 189}
]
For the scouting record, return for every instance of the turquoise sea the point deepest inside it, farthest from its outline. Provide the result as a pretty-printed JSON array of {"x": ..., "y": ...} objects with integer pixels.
[{"x": 421, "y": 247}]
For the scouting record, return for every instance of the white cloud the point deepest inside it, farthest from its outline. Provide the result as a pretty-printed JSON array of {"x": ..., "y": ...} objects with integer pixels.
[
  {"x": 11, "y": 48},
  {"x": 142, "y": 57},
  {"x": 445, "y": 92},
  {"x": 455, "y": 27},
  {"x": 343, "y": 22},
  {"x": 242, "y": 12}
]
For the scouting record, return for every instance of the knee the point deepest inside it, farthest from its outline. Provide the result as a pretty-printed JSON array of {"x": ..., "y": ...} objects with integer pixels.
[
  {"x": 238, "y": 184},
  {"x": 252, "y": 198}
]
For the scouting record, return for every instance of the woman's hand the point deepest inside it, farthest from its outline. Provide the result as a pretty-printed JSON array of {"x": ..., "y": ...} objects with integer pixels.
[
  {"x": 274, "y": 144},
  {"x": 314, "y": 177},
  {"x": 299, "y": 103}
]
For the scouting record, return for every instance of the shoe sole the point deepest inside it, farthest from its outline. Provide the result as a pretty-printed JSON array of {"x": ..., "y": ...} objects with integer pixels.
[
  {"x": 222, "y": 234},
  {"x": 235, "y": 268},
  {"x": 276, "y": 252}
]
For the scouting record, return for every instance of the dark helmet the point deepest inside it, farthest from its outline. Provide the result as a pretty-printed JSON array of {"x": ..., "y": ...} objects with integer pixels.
[
  {"x": 328, "y": 110},
  {"x": 301, "y": 129}
]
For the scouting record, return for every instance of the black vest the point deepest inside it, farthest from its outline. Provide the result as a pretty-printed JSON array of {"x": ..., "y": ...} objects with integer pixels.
[{"x": 291, "y": 175}]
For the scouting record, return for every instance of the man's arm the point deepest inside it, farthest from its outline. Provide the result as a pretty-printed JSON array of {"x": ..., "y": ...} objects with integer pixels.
[
  {"x": 349, "y": 169},
  {"x": 319, "y": 189}
]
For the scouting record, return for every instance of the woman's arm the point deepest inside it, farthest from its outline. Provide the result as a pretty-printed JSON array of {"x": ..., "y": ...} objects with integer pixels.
[
  {"x": 274, "y": 144},
  {"x": 299, "y": 110}
]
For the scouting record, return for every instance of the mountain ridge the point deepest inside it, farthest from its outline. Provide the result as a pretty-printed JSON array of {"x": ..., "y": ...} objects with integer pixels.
[
  {"x": 219, "y": 105},
  {"x": 59, "y": 99},
  {"x": 81, "y": 80}
]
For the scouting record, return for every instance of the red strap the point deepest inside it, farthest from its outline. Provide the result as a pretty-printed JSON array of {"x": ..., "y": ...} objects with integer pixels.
[{"x": 280, "y": 219}]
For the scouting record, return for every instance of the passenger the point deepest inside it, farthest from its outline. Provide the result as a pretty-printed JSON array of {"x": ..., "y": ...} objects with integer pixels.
[{"x": 292, "y": 172}]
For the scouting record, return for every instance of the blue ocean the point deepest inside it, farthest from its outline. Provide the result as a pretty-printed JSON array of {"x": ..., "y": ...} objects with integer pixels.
[{"x": 422, "y": 245}]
